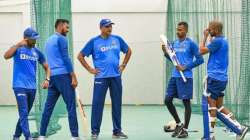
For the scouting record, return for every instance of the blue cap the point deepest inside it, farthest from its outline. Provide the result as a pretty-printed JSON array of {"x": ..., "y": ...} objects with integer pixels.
[
  {"x": 30, "y": 33},
  {"x": 106, "y": 22}
]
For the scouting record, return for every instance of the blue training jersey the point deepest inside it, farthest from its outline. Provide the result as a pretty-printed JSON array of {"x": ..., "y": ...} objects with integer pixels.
[
  {"x": 106, "y": 54},
  {"x": 57, "y": 54},
  {"x": 186, "y": 51},
  {"x": 218, "y": 58},
  {"x": 25, "y": 65}
]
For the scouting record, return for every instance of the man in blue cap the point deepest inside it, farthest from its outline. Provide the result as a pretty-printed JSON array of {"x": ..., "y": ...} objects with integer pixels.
[
  {"x": 105, "y": 50},
  {"x": 63, "y": 79},
  {"x": 25, "y": 57}
]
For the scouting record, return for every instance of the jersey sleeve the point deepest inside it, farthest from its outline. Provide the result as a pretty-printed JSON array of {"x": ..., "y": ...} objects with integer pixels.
[
  {"x": 214, "y": 45},
  {"x": 41, "y": 57},
  {"x": 88, "y": 48},
  {"x": 123, "y": 45},
  {"x": 198, "y": 57}
]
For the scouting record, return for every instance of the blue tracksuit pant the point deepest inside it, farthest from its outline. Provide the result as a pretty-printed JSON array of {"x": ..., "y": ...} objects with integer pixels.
[
  {"x": 25, "y": 99},
  {"x": 60, "y": 85},
  {"x": 101, "y": 86}
]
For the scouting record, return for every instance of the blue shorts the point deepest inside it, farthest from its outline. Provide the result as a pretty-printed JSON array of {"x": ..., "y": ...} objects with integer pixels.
[
  {"x": 177, "y": 88},
  {"x": 216, "y": 87}
]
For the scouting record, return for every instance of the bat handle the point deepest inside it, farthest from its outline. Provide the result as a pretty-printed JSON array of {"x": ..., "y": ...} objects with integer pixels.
[{"x": 183, "y": 77}]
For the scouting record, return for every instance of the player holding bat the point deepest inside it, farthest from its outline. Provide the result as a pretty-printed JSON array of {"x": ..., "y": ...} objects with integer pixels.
[{"x": 186, "y": 50}]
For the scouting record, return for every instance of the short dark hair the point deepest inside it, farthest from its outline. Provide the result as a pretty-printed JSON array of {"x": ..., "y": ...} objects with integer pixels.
[
  {"x": 217, "y": 25},
  {"x": 59, "y": 21},
  {"x": 185, "y": 24}
]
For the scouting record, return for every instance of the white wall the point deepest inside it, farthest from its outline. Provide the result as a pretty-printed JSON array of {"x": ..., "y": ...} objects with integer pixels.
[
  {"x": 15, "y": 16},
  {"x": 139, "y": 22}
]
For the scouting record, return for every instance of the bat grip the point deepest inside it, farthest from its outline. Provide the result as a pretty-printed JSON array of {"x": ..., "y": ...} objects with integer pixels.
[{"x": 183, "y": 77}]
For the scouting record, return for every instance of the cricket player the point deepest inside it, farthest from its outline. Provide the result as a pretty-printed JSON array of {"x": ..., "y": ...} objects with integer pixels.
[
  {"x": 217, "y": 79},
  {"x": 26, "y": 56},
  {"x": 105, "y": 50},
  {"x": 63, "y": 80},
  {"x": 188, "y": 55}
]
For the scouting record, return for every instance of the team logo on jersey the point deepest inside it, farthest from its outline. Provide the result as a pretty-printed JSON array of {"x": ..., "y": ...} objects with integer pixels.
[
  {"x": 103, "y": 48},
  {"x": 180, "y": 47},
  {"x": 113, "y": 43},
  {"x": 108, "y": 48},
  {"x": 27, "y": 57}
]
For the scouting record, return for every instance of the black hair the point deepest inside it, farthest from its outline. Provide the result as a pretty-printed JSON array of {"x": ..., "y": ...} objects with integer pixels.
[
  {"x": 59, "y": 21},
  {"x": 185, "y": 24}
]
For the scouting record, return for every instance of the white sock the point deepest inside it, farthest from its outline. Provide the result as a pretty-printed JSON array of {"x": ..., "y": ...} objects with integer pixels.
[{"x": 212, "y": 132}]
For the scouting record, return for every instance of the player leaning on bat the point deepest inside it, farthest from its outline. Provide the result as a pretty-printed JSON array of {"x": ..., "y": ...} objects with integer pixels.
[
  {"x": 217, "y": 68},
  {"x": 186, "y": 50},
  {"x": 105, "y": 50},
  {"x": 25, "y": 57}
]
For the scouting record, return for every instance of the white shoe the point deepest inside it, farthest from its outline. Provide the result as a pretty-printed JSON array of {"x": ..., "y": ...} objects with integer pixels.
[
  {"x": 16, "y": 139},
  {"x": 41, "y": 138},
  {"x": 75, "y": 138}
]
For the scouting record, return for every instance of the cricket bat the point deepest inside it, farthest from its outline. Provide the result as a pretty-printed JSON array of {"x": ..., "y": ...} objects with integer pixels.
[
  {"x": 83, "y": 115},
  {"x": 171, "y": 54}
]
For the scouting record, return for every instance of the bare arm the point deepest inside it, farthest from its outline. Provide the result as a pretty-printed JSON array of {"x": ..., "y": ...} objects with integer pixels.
[
  {"x": 11, "y": 51},
  {"x": 47, "y": 70},
  {"x": 45, "y": 83},
  {"x": 127, "y": 57},
  {"x": 84, "y": 63},
  {"x": 165, "y": 52},
  {"x": 126, "y": 60},
  {"x": 203, "y": 48}
]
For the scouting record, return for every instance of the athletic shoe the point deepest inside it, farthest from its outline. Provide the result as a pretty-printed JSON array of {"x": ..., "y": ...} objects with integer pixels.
[
  {"x": 243, "y": 133},
  {"x": 177, "y": 130},
  {"x": 119, "y": 135},
  {"x": 15, "y": 138},
  {"x": 41, "y": 138},
  {"x": 183, "y": 133},
  {"x": 75, "y": 138},
  {"x": 94, "y": 136},
  {"x": 211, "y": 138}
]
